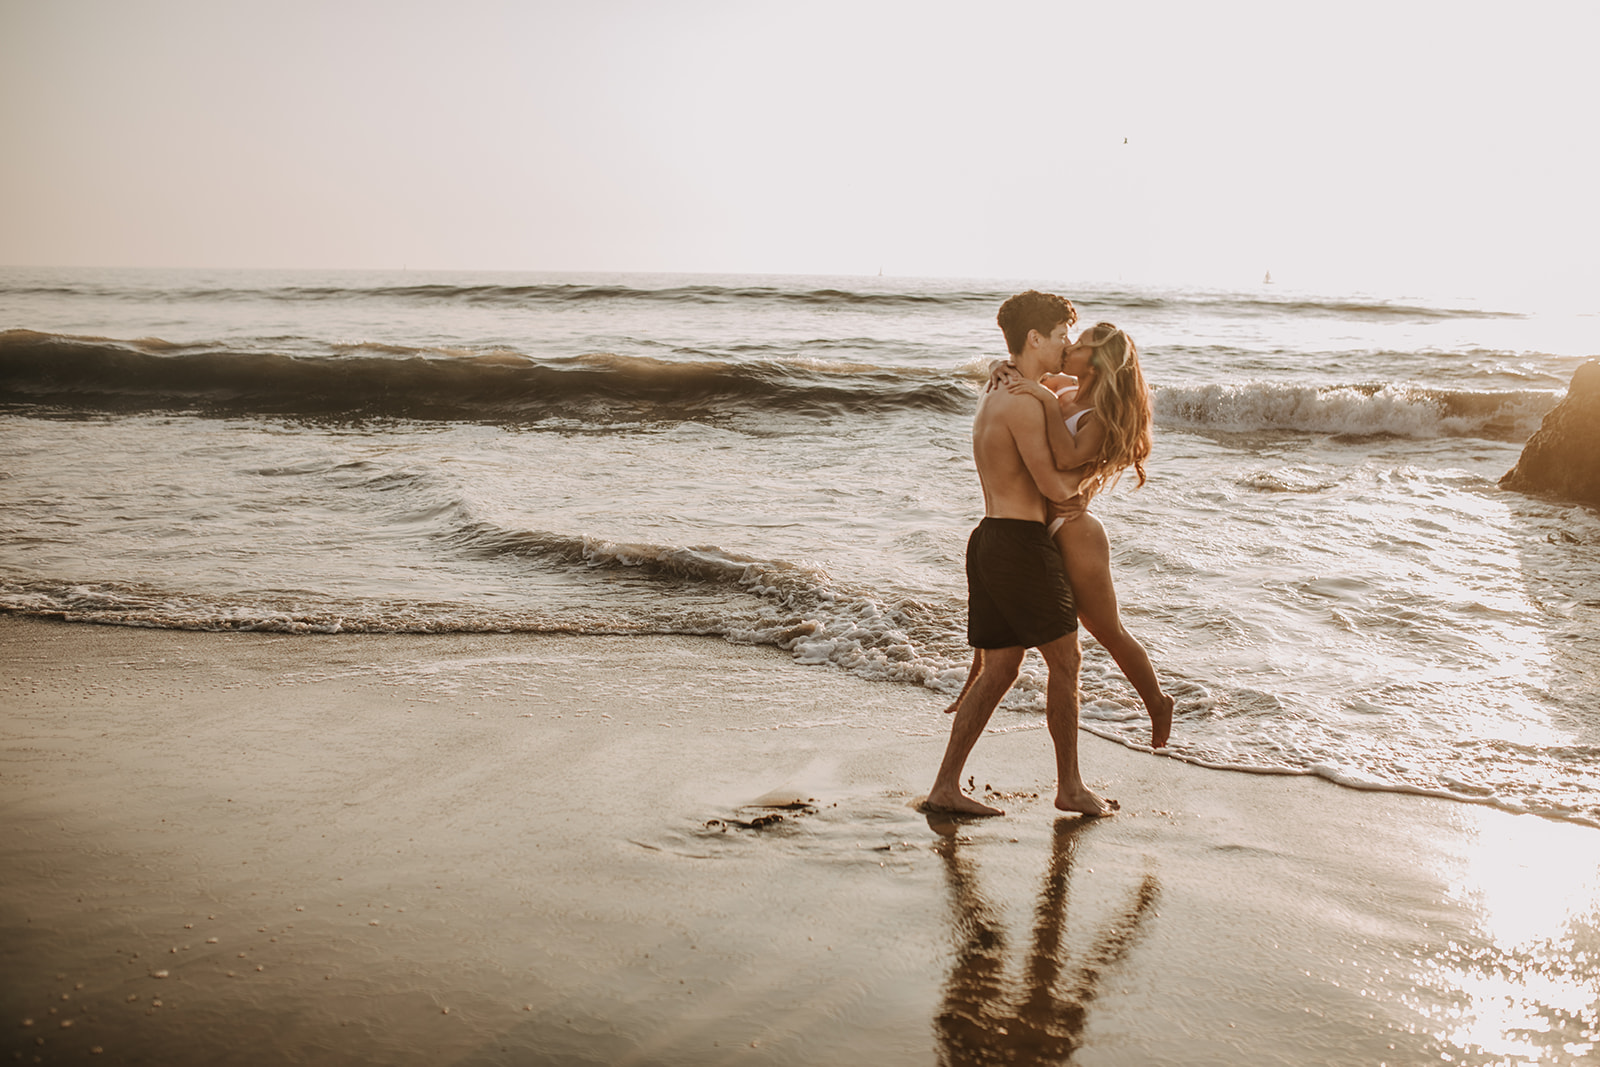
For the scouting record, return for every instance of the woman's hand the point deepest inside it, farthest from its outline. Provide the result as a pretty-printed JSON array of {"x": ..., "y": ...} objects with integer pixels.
[
  {"x": 1021, "y": 385},
  {"x": 1070, "y": 511},
  {"x": 1002, "y": 374}
]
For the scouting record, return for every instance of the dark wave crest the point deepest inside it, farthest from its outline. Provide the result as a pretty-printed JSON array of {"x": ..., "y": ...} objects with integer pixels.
[
  {"x": 701, "y": 590},
  {"x": 100, "y": 374},
  {"x": 1371, "y": 310},
  {"x": 981, "y": 300},
  {"x": 534, "y": 295}
]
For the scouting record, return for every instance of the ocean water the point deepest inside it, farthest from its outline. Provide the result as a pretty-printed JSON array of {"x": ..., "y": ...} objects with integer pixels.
[{"x": 1322, "y": 565}]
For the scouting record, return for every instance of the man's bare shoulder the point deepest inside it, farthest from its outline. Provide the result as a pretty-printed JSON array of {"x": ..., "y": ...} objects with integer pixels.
[{"x": 1012, "y": 409}]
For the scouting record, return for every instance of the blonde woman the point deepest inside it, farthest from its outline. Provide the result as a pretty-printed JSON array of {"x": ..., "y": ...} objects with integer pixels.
[{"x": 1103, "y": 428}]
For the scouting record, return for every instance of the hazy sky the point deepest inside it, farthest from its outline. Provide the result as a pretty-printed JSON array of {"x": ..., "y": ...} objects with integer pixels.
[{"x": 1354, "y": 146}]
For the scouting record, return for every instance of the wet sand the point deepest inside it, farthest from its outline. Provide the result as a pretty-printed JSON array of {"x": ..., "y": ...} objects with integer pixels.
[{"x": 484, "y": 849}]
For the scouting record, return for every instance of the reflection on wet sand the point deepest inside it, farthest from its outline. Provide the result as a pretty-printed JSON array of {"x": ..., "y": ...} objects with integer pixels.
[
  {"x": 987, "y": 1017},
  {"x": 1524, "y": 985}
]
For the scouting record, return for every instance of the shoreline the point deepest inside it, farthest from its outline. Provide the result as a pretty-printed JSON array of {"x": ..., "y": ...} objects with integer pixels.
[
  {"x": 486, "y": 848},
  {"x": 1089, "y": 726}
]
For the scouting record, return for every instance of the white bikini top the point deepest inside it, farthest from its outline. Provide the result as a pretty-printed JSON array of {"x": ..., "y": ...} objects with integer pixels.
[{"x": 1074, "y": 419}]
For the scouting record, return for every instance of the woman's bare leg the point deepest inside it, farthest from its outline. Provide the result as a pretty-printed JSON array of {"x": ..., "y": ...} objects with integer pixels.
[
  {"x": 972, "y": 675},
  {"x": 1087, "y": 553}
]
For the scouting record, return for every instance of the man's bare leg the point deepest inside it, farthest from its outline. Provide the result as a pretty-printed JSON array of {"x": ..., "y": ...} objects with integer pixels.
[
  {"x": 972, "y": 676},
  {"x": 999, "y": 669},
  {"x": 1063, "y": 658}
]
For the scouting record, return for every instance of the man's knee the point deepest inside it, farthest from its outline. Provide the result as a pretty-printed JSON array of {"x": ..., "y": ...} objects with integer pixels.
[
  {"x": 1002, "y": 663},
  {"x": 1062, "y": 653}
]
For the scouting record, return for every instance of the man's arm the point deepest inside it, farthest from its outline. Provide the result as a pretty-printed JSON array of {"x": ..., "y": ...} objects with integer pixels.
[
  {"x": 1068, "y": 451},
  {"x": 1028, "y": 425}
]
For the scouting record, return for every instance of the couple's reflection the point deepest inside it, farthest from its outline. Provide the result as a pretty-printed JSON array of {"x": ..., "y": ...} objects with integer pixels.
[{"x": 1038, "y": 1018}]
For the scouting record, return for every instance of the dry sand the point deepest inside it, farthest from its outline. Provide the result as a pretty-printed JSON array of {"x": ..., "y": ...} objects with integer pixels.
[{"x": 243, "y": 848}]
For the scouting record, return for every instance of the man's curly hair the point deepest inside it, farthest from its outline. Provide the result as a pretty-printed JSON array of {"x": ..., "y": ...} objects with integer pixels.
[{"x": 1033, "y": 310}]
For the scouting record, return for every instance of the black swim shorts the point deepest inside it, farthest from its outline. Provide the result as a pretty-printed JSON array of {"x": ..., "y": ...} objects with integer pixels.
[{"x": 1017, "y": 589}]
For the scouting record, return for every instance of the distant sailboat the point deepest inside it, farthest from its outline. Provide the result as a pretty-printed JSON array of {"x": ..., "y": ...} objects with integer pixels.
[{"x": 1268, "y": 279}]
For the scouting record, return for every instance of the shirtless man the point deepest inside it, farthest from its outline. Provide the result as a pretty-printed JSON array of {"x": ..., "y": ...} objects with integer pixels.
[{"x": 1018, "y": 596}]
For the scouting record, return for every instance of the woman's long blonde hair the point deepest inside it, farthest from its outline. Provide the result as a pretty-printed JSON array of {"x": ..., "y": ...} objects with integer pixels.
[{"x": 1121, "y": 399}]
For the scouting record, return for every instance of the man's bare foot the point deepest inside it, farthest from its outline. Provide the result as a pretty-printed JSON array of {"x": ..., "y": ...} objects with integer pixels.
[
  {"x": 1161, "y": 722},
  {"x": 1085, "y": 803},
  {"x": 957, "y": 803},
  {"x": 954, "y": 704}
]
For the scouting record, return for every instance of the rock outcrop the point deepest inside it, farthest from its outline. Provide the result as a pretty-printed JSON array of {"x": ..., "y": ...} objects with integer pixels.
[{"x": 1562, "y": 458}]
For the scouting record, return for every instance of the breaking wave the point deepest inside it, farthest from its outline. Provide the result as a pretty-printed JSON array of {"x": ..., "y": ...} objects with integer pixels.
[
  {"x": 1358, "y": 410},
  {"x": 791, "y": 606}
]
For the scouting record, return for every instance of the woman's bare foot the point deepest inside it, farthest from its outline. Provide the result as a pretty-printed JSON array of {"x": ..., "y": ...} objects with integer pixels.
[
  {"x": 958, "y": 803},
  {"x": 1085, "y": 803},
  {"x": 1161, "y": 722}
]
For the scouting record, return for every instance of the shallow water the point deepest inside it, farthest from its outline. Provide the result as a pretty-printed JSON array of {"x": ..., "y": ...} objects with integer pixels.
[{"x": 1322, "y": 565}]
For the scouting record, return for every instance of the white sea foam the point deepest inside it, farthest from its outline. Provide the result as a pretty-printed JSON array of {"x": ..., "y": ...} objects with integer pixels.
[{"x": 1398, "y": 410}]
